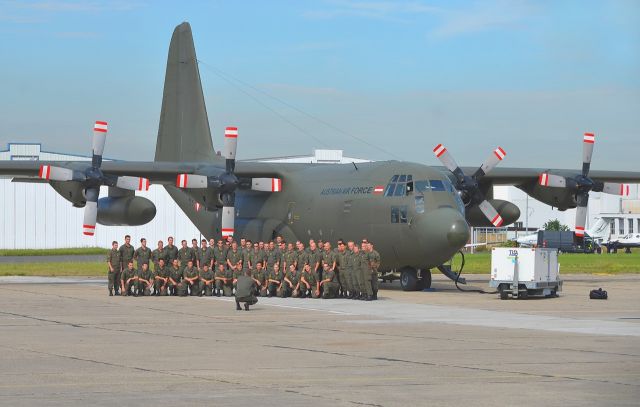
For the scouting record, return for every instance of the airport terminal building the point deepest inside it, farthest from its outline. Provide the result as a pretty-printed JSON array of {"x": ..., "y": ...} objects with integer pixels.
[{"x": 35, "y": 216}]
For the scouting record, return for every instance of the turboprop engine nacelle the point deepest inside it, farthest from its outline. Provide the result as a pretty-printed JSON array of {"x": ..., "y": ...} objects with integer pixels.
[
  {"x": 125, "y": 211},
  {"x": 509, "y": 212}
]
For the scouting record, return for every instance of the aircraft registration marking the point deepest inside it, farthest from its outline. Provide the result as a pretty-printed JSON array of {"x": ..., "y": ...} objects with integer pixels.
[{"x": 355, "y": 190}]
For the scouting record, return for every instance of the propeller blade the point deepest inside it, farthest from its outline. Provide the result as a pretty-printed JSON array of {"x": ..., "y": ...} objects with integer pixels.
[
  {"x": 191, "y": 181},
  {"x": 99, "y": 138},
  {"x": 490, "y": 163},
  {"x": 615, "y": 188},
  {"x": 587, "y": 150},
  {"x": 52, "y": 173},
  {"x": 447, "y": 160},
  {"x": 90, "y": 216},
  {"x": 551, "y": 180},
  {"x": 266, "y": 184},
  {"x": 230, "y": 146},
  {"x": 228, "y": 220},
  {"x": 581, "y": 213},
  {"x": 133, "y": 183},
  {"x": 491, "y": 213}
]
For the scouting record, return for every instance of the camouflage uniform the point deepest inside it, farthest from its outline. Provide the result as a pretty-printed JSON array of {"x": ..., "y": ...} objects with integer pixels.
[
  {"x": 184, "y": 255},
  {"x": 172, "y": 253},
  {"x": 142, "y": 256},
  {"x": 374, "y": 259},
  {"x": 273, "y": 257},
  {"x": 126, "y": 253},
  {"x": 156, "y": 255},
  {"x": 290, "y": 290},
  {"x": 288, "y": 257},
  {"x": 175, "y": 274},
  {"x": 365, "y": 272},
  {"x": 315, "y": 261},
  {"x": 207, "y": 288},
  {"x": 260, "y": 286},
  {"x": 220, "y": 256},
  {"x": 142, "y": 287},
  {"x": 274, "y": 288},
  {"x": 206, "y": 256},
  {"x": 192, "y": 288},
  {"x": 129, "y": 286},
  {"x": 160, "y": 286},
  {"x": 311, "y": 278},
  {"x": 115, "y": 258},
  {"x": 330, "y": 287}
]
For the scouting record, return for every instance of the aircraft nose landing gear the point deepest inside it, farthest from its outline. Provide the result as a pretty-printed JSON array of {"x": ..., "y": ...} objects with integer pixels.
[{"x": 412, "y": 279}]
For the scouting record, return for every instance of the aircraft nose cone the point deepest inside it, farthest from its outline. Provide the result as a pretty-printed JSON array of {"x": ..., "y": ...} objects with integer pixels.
[{"x": 458, "y": 234}]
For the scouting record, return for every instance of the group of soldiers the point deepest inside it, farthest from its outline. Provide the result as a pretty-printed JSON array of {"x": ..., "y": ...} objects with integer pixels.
[{"x": 277, "y": 268}]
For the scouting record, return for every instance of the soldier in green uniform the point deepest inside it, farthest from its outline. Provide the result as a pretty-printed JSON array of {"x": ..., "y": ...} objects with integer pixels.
[
  {"x": 161, "y": 278},
  {"x": 224, "y": 281},
  {"x": 302, "y": 257},
  {"x": 114, "y": 263},
  {"x": 145, "y": 280},
  {"x": 365, "y": 273},
  {"x": 128, "y": 280},
  {"x": 292, "y": 282},
  {"x": 206, "y": 281},
  {"x": 272, "y": 256},
  {"x": 126, "y": 254},
  {"x": 343, "y": 270},
  {"x": 238, "y": 270},
  {"x": 309, "y": 284},
  {"x": 171, "y": 250},
  {"x": 245, "y": 291},
  {"x": 175, "y": 277},
  {"x": 330, "y": 283},
  {"x": 315, "y": 258},
  {"x": 329, "y": 257},
  {"x": 289, "y": 256},
  {"x": 185, "y": 254},
  {"x": 274, "y": 282},
  {"x": 233, "y": 256},
  {"x": 206, "y": 255},
  {"x": 157, "y": 254},
  {"x": 260, "y": 279},
  {"x": 196, "y": 253},
  {"x": 256, "y": 257},
  {"x": 190, "y": 279},
  {"x": 142, "y": 254},
  {"x": 374, "y": 260},
  {"x": 220, "y": 254},
  {"x": 357, "y": 275}
]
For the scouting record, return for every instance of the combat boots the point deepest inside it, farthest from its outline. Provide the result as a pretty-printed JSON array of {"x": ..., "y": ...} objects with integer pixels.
[
  {"x": 238, "y": 308},
  {"x": 110, "y": 293}
]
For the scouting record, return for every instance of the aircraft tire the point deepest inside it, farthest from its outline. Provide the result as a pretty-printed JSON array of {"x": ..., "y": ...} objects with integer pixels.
[
  {"x": 409, "y": 279},
  {"x": 426, "y": 279}
]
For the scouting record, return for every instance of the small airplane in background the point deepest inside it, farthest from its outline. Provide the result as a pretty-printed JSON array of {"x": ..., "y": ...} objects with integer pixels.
[
  {"x": 627, "y": 242},
  {"x": 599, "y": 232}
]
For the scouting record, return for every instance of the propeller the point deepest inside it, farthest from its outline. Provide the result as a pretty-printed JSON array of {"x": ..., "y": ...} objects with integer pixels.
[
  {"x": 581, "y": 184},
  {"x": 468, "y": 185},
  {"x": 92, "y": 178},
  {"x": 227, "y": 183}
]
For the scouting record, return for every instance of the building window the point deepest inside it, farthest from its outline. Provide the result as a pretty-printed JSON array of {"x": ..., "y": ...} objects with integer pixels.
[
  {"x": 398, "y": 214},
  {"x": 621, "y": 226},
  {"x": 612, "y": 225},
  {"x": 630, "y": 225}
]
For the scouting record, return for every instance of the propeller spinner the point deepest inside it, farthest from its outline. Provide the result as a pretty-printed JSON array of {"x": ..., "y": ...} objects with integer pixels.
[
  {"x": 581, "y": 184},
  {"x": 468, "y": 185},
  {"x": 92, "y": 178}
]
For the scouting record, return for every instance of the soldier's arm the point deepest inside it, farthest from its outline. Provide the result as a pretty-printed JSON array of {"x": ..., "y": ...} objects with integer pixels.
[{"x": 109, "y": 263}]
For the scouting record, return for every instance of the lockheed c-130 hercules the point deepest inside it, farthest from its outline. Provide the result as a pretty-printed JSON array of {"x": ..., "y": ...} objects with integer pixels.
[{"x": 417, "y": 215}]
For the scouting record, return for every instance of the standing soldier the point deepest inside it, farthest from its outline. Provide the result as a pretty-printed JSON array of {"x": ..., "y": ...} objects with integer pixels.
[
  {"x": 374, "y": 260},
  {"x": 220, "y": 254},
  {"x": 330, "y": 257},
  {"x": 175, "y": 277},
  {"x": 309, "y": 284},
  {"x": 160, "y": 278},
  {"x": 289, "y": 257},
  {"x": 315, "y": 258},
  {"x": 233, "y": 256},
  {"x": 196, "y": 253},
  {"x": 142, "y": 254},
  {"x": 330, "y": 283},
  {"x": 190, "y": 279},
  {"x": 343, "y": 261},
  {"x": 260, "y": 279},
  {"x": 357, "y": 275},
  {"x": 145, "y": 280},
  {"x": 206, "y": 256},
  {"x": 302, "y": 257},
  {"x": 365, "y": 273},
  {"x": 114, "y": 262},
  {"x": 273, "y": 256},
  {"x": 185, "y": 254},
  {"x": 171, "y": 250},
  {"x": 157, "y": 254},
  {"x": 274, "y": 282},
  {"x": 128, "y": 281},
  {"x": 126, "y": 254}
]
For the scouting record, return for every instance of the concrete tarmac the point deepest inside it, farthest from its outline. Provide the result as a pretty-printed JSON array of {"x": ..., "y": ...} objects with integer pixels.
[{"x": 65, "y": 342}]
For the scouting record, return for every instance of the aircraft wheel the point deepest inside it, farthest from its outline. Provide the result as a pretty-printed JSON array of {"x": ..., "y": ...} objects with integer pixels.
[
  {"x": 409, "y": 279},
  {"x": 426, "y": 279}
]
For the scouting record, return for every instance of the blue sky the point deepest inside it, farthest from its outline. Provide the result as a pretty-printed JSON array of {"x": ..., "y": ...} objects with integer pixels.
[{"x": 530, "y": 76}]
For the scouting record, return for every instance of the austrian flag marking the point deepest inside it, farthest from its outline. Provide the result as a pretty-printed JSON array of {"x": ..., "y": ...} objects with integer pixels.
[
  {"x": 378, "y": 190},
  {"x": 589, "y": 138},
  {"x": 439, "y": 150},
  {"x": 100, "y": 126}
]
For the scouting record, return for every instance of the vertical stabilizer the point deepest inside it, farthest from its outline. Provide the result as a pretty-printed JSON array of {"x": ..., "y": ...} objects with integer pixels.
[{"x": 183, "y": 133}]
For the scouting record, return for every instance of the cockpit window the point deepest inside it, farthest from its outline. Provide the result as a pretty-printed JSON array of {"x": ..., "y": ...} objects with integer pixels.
[
  {"x": 421, "y": 186},
  {"x": 400, "y": 189},
  {"x": 399, "y": 185},
  {"x": 436, "y": 185},
  {"x": 389, "y": 189},
  {"x": 403, "y": 178}
]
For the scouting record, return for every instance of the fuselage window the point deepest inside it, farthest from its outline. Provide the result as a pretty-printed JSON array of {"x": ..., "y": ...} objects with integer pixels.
[
  {"x": 419, "y": 203},
  {"x": 422, "y": 186},
  {"x": 403, "y": 178},
  {"x": 398, "y": 214},
  {"x": 436, "y": 185},
  {"x": 394, "y": 178},
  {"x": 400, "y": 189},
  {"x": 390, "y": 188}
]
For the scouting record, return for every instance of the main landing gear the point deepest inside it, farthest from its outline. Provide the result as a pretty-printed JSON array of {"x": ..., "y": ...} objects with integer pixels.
[{"x": 412, "y": 279}]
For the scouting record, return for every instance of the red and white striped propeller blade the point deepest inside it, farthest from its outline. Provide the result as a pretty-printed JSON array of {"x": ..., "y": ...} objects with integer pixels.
[
  {"x": 228, "y": 220},
  {"x": 614, "y": 188},
  {"x": 445, "y": 157},
  {"x": 587, "y": 151},
  {"x": 191, "y": 181},
  {"x": 491, "y": 213},
  {"x": 581, "y": 220},
  {"x": 99, "y": 137},
  {"x": 230, "y": 143},
  {"x": 494, "y": 159},
  {"x": 266, "y": 184},
  {"x": 52, "y": 173},
  {"x": 551, "y": 180},
  {"x": 90, "y": 217},
  {"x": 133, "y": 183}
]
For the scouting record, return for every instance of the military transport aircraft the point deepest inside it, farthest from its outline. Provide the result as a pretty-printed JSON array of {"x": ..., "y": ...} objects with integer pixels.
[{"x": 417, "y": 215}]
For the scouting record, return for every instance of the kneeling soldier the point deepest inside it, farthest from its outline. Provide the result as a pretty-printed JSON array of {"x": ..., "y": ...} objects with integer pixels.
[
  {"x": 145, "y": 280},
  {"x": 245, "y": 291},
  {"x": 291, "y": 283},
  {"x": 190, "y": 279},
  {"x": 160, "y": 279},
  {"x": 309, "y": 286},
  {"x": 224, "y": 281},
  {"x": 260, "y": 279},
  {"x": 330, "y": 283},
  {"x": 274, "y": 283},
  {"x": 175, "y": 278},
  {"x": 206, "y": 281},
  {"x": 128, "y": 280}
]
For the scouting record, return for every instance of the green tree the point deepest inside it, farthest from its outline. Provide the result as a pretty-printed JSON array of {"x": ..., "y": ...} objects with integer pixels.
[{"x": 555, "y": 225}]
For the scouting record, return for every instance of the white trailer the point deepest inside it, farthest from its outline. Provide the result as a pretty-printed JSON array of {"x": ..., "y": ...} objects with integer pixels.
[{"x": 521, "y": 272}]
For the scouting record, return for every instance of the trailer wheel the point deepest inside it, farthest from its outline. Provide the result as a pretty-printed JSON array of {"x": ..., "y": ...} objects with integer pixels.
[{"x": 504, "y": 294}]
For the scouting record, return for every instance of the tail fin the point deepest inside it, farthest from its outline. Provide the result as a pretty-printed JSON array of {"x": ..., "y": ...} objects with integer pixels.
[{"x": 183, "y": 133}]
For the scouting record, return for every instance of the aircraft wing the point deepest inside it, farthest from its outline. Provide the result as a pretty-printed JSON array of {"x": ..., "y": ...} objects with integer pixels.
[{"x": 521, "y": 176}]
